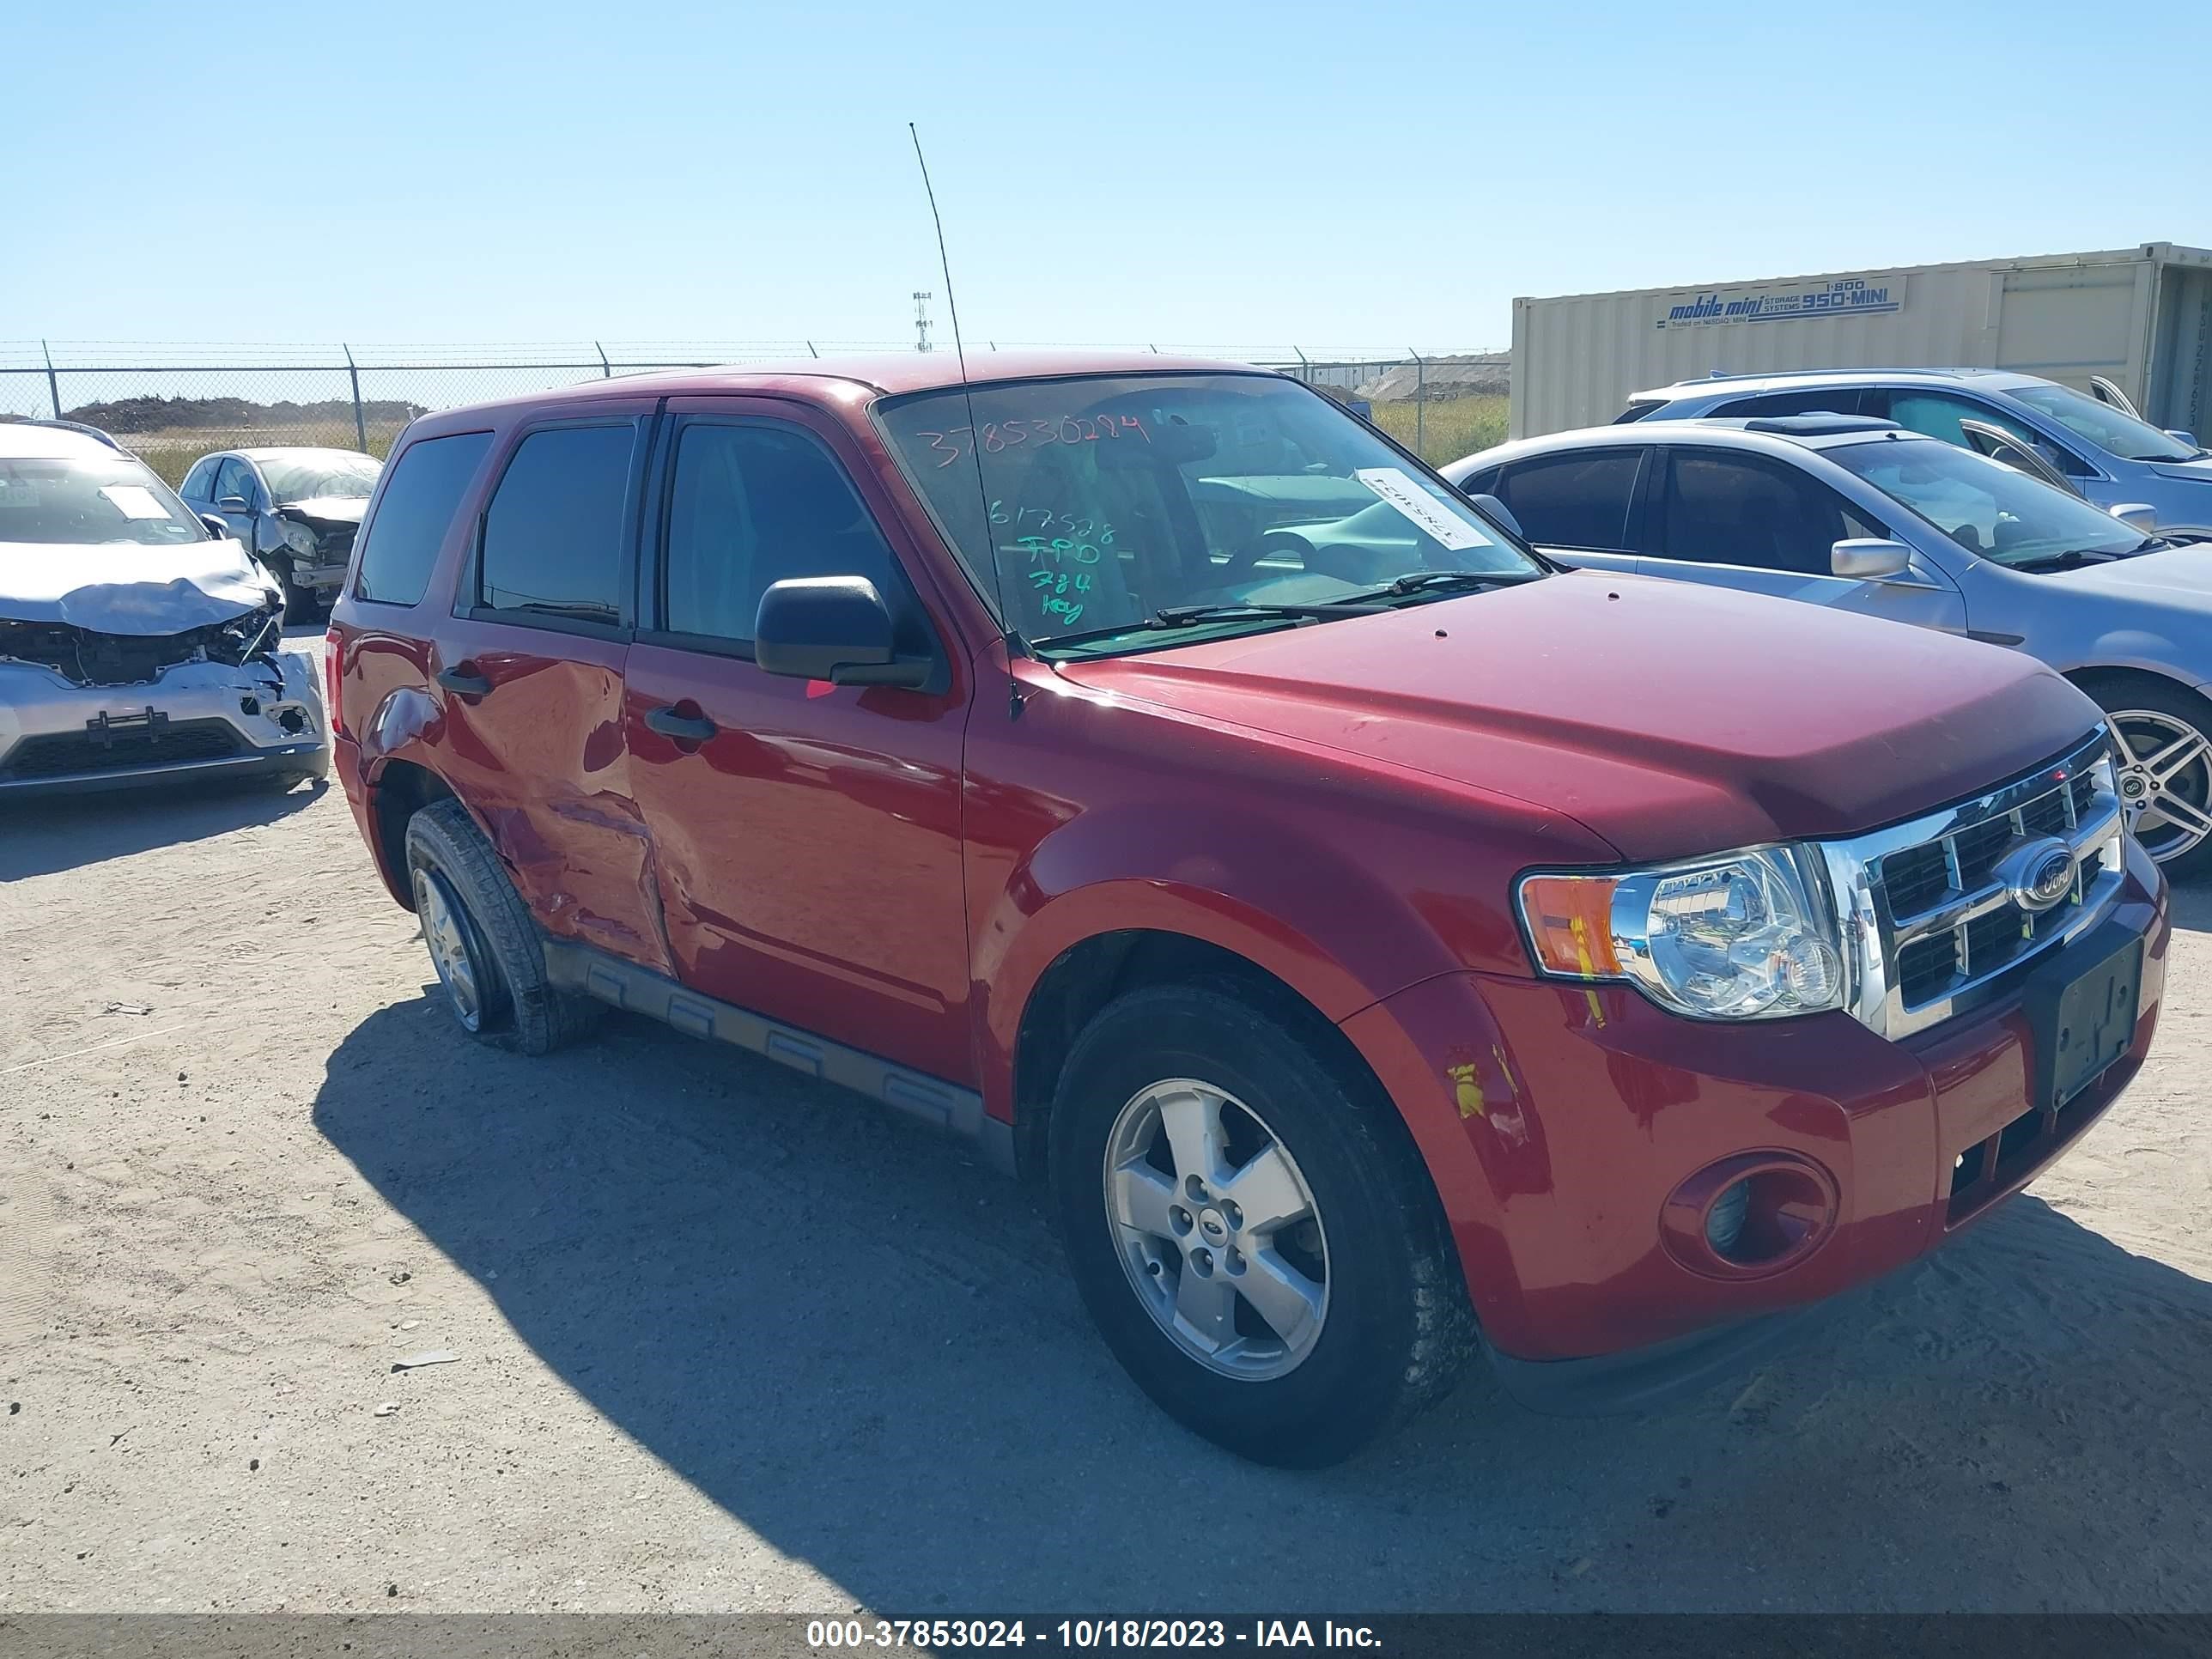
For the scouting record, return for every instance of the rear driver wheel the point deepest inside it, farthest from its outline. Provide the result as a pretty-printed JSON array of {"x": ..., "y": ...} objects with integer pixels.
[{"x": 483, "y": 941}]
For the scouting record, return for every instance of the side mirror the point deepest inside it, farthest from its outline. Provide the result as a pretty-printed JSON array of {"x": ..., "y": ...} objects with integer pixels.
[
  {"x": 2181, "y": 437},
  {"x": 233, "y": 504},
  {"x": 832, "y": 627},
  {"x": 1493, "y": 508},
  {"x": 1869, "y": 559},
  {"x": 216, "y": 526},
  {"x": 2140, "y": 516}
]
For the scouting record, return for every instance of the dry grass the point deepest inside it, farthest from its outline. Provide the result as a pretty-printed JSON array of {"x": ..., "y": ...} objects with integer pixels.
[
  {"x": 1449, "y": 428},
  {"x": 172, "y": 452}
]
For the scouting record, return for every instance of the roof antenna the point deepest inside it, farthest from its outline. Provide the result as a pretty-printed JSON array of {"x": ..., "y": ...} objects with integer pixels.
[{"x": 1016, "y": 647}]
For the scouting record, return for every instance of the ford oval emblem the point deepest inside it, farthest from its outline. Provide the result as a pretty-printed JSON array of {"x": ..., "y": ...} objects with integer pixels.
[{"x": 2038, "y": 875}]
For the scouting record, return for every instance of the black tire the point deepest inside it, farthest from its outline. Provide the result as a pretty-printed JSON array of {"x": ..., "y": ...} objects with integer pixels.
[
  {"x": 1398, "y": 1328},
  {"x": 521, "y": 1009},
  {"x": 299, "y": 603},
  {"x": 2121, "y": 693}
]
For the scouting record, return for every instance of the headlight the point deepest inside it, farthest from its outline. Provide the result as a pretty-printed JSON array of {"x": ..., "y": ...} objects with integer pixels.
[
  {"x": 1750, "y": 935},
  {"x": 298, "y": 538}
]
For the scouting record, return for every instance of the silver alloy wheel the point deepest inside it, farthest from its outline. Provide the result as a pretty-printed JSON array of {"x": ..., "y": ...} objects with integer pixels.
[
  {"x": 447, "y": 930},
  {"x": 2166, "y": 783},
  {"x": 1216, "y": 1229}
]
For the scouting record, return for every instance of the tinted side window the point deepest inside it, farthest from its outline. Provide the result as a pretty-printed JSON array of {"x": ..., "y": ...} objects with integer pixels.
[
  {"x": 1484, "y": 483},
  {"x": 1723, "y": 509},
  {"x": 1830, "y": 400},
  {"x": 234, "y": 478},
  {"x": 552, "y": 536},
  {"x": 1937, "y": 415},
  {"x": 753, "y": 505},
  {"x": 1576, "y": 500},
  {"x": 420, "y": 499},
  {"x": 197, "y": 480}
]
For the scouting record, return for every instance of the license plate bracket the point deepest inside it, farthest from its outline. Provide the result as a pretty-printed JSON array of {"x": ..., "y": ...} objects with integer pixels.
[
  {"x": 145, "y": 726},
  {"x": 2086, "y": 1023}
]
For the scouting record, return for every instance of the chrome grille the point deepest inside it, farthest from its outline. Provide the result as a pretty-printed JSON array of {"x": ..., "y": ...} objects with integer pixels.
[{"x": 1934, "y": 926}]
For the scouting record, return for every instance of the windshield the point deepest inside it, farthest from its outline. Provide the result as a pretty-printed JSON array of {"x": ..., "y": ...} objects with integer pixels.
[
  {"x": 306, "y": 478},
  {"x": 1982, "y": 504},
  {"x": 1110, "y": 499},
  {"x": 84, "y": 500},
  {"x": 2101, "y": 424}
]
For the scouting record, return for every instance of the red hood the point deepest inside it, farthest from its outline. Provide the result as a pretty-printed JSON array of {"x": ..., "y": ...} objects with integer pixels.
[{"x": 1670, "y": 718}]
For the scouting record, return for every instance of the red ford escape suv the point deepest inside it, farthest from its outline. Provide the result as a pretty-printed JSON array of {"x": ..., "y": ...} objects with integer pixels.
[{"x": 1379, "y": 943}]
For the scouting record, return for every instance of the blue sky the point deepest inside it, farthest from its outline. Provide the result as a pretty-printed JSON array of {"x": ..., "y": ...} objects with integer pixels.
[{"x": 1113, "y": 170}]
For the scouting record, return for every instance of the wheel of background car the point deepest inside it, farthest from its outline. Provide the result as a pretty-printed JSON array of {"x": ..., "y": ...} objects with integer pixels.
[
  {"x": 483, "y": 942},
  {"x": 299, "y": 604},
  {"x": 2166, "y": 780},
  {"x": 1249, "y": 1224}
]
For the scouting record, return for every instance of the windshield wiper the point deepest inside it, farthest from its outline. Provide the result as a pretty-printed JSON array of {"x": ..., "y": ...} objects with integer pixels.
[
  {"x": 1445, "y": 581},
  {"x": 1177, "y": 616},
  {"x": 2072, "y": 559},
  {"x": 1186, "y": 615}
]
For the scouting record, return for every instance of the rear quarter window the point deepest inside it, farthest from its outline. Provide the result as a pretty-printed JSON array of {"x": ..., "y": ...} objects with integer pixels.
[{"x": 420, "y": 496}]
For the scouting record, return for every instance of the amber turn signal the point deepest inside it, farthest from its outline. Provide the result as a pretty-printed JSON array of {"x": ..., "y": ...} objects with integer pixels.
[{"x": 1570, "y": 924}]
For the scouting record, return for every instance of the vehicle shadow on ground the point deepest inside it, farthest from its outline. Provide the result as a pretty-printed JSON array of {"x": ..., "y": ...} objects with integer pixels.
[
  {"x": 67, "y": 832},
  {"x": 2192, "y": 905},
  {"x": 859, "y": 1342}
]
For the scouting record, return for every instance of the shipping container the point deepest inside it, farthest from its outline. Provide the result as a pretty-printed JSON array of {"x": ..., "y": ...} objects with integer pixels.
[{"x": 2141, "y": 318}]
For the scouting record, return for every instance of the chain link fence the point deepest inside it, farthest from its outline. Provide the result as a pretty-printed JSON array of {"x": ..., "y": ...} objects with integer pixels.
[{"x": 171, "y": 403}]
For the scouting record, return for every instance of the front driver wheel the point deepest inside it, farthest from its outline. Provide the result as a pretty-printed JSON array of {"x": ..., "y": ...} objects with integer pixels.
[{"x": 1250, "y": 1226}]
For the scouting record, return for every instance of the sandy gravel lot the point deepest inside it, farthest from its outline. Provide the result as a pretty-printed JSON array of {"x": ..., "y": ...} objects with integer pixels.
[{"x": 729, "y": 1340}]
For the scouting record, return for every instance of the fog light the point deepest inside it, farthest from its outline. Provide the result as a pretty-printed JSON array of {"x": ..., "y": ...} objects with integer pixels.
[
  {"x": 1751, "y": 1215},
  {"x": 1724, "y": 1221}
]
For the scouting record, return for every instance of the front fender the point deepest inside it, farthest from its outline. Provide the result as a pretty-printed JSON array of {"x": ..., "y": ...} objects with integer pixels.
[{"x": 1322, "y": 918}]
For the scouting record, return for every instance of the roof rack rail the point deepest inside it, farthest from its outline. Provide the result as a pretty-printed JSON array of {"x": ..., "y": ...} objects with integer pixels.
[{"x": 107, "y": 438}]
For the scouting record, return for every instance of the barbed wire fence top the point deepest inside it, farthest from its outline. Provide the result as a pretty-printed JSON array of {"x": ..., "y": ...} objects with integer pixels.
[{"x": 171, "y": 402}]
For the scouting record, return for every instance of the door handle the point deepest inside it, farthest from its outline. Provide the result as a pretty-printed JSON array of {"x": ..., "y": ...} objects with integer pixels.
[
  {"x": 691, "y": 728},
  {"x": 462, "y": 682}
]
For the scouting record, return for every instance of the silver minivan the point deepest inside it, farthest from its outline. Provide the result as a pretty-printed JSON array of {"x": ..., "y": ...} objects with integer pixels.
[
  {"x": 1859, "y": 513},
  {"x": 2096, "y": 442}
]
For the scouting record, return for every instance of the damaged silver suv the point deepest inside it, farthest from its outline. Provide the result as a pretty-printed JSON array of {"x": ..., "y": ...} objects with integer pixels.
[{"x": 137, "y": 643}]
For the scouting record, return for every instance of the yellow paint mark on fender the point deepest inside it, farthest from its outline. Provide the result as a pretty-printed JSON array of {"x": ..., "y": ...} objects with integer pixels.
[
  {"x": 1467, "y": 1085},
  {"x": 1589, "y": 968}
]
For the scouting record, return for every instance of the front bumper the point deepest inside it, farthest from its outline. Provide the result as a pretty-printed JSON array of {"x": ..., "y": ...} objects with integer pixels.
[
  {"x": 261, "y": 718},
  {"x": 1560, "y": 1121},
  {"x": 319, "y": 577}
]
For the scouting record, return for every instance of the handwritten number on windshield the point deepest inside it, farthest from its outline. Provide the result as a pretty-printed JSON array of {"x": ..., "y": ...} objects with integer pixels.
[
  {"x": 1055, "y": 584},
  {"x": 939, "y": 447},
  {"x": 1044, "y": 517},
  {"x": 1001, "y": 435}
]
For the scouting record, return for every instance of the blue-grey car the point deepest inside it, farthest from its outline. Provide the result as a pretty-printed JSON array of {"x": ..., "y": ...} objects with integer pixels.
[
  {"x": 1862, "y": 514},
  {"x": 295, "y": 509},
  {"x": 2096, "y": 443}
]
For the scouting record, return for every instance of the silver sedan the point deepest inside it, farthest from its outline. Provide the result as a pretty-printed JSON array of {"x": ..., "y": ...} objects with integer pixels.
[{"x": 1859, "y": 513}]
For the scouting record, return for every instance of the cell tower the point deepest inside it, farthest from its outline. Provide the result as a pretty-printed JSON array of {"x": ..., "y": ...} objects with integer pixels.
[{"x": 921, "y": 298}]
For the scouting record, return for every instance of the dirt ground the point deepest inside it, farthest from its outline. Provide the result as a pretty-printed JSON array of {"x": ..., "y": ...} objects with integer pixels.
[{"x": 727, "y": 1339}]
